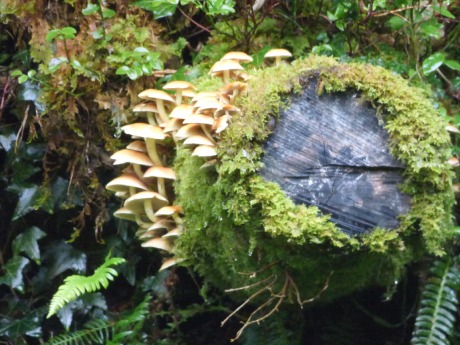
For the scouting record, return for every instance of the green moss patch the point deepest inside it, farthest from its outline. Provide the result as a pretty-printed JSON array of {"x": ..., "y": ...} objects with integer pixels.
[{"x": 241, "y": 229}]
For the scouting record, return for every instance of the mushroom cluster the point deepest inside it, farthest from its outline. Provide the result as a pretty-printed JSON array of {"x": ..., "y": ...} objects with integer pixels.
[{"x": 191, "y": 119}]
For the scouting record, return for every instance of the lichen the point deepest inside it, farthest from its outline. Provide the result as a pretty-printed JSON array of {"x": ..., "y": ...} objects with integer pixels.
[{"x": 241, "y": 229}]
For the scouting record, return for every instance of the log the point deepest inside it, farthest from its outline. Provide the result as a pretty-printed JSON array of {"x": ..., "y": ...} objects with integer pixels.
[{"x": 331, "y": 151}]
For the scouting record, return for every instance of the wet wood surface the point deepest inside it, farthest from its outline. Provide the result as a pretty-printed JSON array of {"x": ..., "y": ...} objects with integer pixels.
[{"x": 331, "y": 151}]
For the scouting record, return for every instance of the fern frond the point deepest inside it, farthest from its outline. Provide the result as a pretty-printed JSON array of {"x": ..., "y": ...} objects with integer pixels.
[
  {"x": 77, "y": 285},
  {"x": 436, "y": 317},
  {"x": 95, "y": 332}
]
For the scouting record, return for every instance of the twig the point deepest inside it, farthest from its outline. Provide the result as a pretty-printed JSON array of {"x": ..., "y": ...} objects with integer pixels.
[{"x": 194, "y": 22}]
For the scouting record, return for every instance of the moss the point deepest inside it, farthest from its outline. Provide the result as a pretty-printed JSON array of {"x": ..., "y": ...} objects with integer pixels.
[{"x": 242, "y": 229}]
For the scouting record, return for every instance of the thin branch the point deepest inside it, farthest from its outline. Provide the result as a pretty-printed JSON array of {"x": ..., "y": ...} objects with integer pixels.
[{"x": 193, "y": 21}]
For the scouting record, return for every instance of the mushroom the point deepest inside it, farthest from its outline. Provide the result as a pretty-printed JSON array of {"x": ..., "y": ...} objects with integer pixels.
[
  {"x": 124, "y": 213},
  {"x": 160, "y": 243},
  {"x": 135, "y": 158},
  {"x": 189, "y": 130},
  {"x": 126, "y": 182},
  {"x": 159, "y": 97},
  {"x": 221, "y": 123},
  {"x": 179, "y": 86},
  {"x": 232, "y": 90},
  {"x": 137, "y": 145},
  {"x": 278, "y": 54},
  {"x": 150, "y": 134},
  {"x": 147, "y": 108},
  {"x": 237, "y": 56},
  {"x": 172, "y": 211},
  {"x": 181, "y": 111},
  {"x": 204, "y": 151},
  {"x": 146, "y": 202},
  {"x": 223, "y": 68},
  {"x": 173, "y": 233},
  {"x": 198, "y": 140},
  {"x": 170, "y": 262},
  {"x": 160, "y": 173}
]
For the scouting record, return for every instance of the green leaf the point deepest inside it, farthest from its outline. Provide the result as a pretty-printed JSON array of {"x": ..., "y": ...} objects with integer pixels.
[
  {"x": 52, "y": 34},
  {"x": 26, "y": 202},
  {"x": 99, "y": 33},
  {"x": 219, "y": 7},
  {"x": 13, "y": 273},
  {"x": 108, "y": 13},
  {"x": 61, "y": 256},
  {"x": 396, "y": 23},
  {"x": 452, "y": 64},
  {"x": 22, "y": 79},
  {"x": 54, "y": 63},
  {"x": 160, "y": 8},
  {"x": 90, "y": 9},
  {"x": 27, "y": 243},
  {"x": 433, "y": 62},
  {"x": 31, "y": 73},
  {"x": 432, "y": 28},
  {"x": 76, "y": 285},
  {"x": 444, "y": 11},
  {"x": 16, "y": 73},
  {"x": 68, "y": 32},
  {"x": 123, "y": 70}
]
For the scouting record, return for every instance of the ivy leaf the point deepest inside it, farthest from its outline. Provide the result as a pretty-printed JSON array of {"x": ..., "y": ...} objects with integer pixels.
[
  {"x": 220, "y": 7},
  {"x": 27, "y": 243},
  {"x": 28, "y": 325},
  {"x": 452, "y": 64},
  {"x": 90, "y": 9},
  {"x": 160, "y": 8},
  {"x": 433, "y": 62},
  {"x": 61, "y": 256},
  {"x": 26, "y": 202},
  {"x": 13, "y": 273}
]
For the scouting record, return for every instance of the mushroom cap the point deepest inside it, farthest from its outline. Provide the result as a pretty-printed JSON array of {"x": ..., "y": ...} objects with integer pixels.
[
  {"x": 169, "y": 210},
  {"x": 162, "y": 172},
  {"x": 203, "y": 94},
  {"x": 160, "y": 243},
  {"x": 135, "y": 202},
  {"x": 123, "y": 182},
  {"x": 124, "y": 213},
  {"x": 179, "y": 85},
  {"x": 221, "y": 123},
  {"x": 208, "y": 164},
  {"x": 181, "y": 111},
  {"x": 172, "y": 125},
  {"x": 227, "y": 108},
  {"x": 162, "y": 224},
  {"x": 226, "y": 65},
  {"x": 210, "y": 101},
  {"x": 153, "y": 94},
  {"x": 170, "y": 262},
  {"x": 198, "y": 140},
  {"x": 146, "y": 107},
  {"x": 238, "y": 56},
  {"x": 236, "y": 85},
  {"x": 137, "y": 145},
  {"x": 144, "y": 130},
  {"x": 130, "y": 156},
  {"x": 452, "y": 129},
  {"x": 200, "y": 119},
  {"x": 453, "y": 161},
  {"x": 173, "y": 233},
  {"x": 189, "y": 130},
  {"x": 277, "y": 53},
  {"x": 204, "y": 151}
]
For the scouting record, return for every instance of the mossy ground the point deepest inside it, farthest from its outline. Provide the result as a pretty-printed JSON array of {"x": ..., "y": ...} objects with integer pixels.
[{"x": 241, "y": 229}]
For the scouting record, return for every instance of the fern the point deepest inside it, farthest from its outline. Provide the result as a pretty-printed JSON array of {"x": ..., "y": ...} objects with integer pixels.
[
  {"x": 124, "y": 331},
  {"x": 77, "y": 285},
  {"x": 436, "y": 316}
]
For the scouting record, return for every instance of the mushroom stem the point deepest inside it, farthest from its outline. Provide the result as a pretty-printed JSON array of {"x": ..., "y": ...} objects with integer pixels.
[
  {"x": 161, "y": 186},
  {"x": 151, "y": 119},
  {"x": 206, "y": 131},
  {"x": 178, "y": 97},
  {"x": 138, "y": 171},
  {"x": 149, "y": 210},
  {"x": 177, "y": 218},
  {"x": 152, "y": 151},
  {"x": 277, "y": 60},
  {"x": 162, "y": 110},
  {"x": 226, "y": 77}
]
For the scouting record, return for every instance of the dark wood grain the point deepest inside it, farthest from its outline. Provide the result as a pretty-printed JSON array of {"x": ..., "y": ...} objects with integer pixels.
[{"x": 331, "y": 151}]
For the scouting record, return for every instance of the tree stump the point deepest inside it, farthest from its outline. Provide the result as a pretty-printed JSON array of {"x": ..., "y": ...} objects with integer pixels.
[{"x": 331, "y": 151}]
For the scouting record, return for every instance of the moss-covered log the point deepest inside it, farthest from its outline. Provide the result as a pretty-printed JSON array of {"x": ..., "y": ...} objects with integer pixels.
[{"x": 243, "y": 231}]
